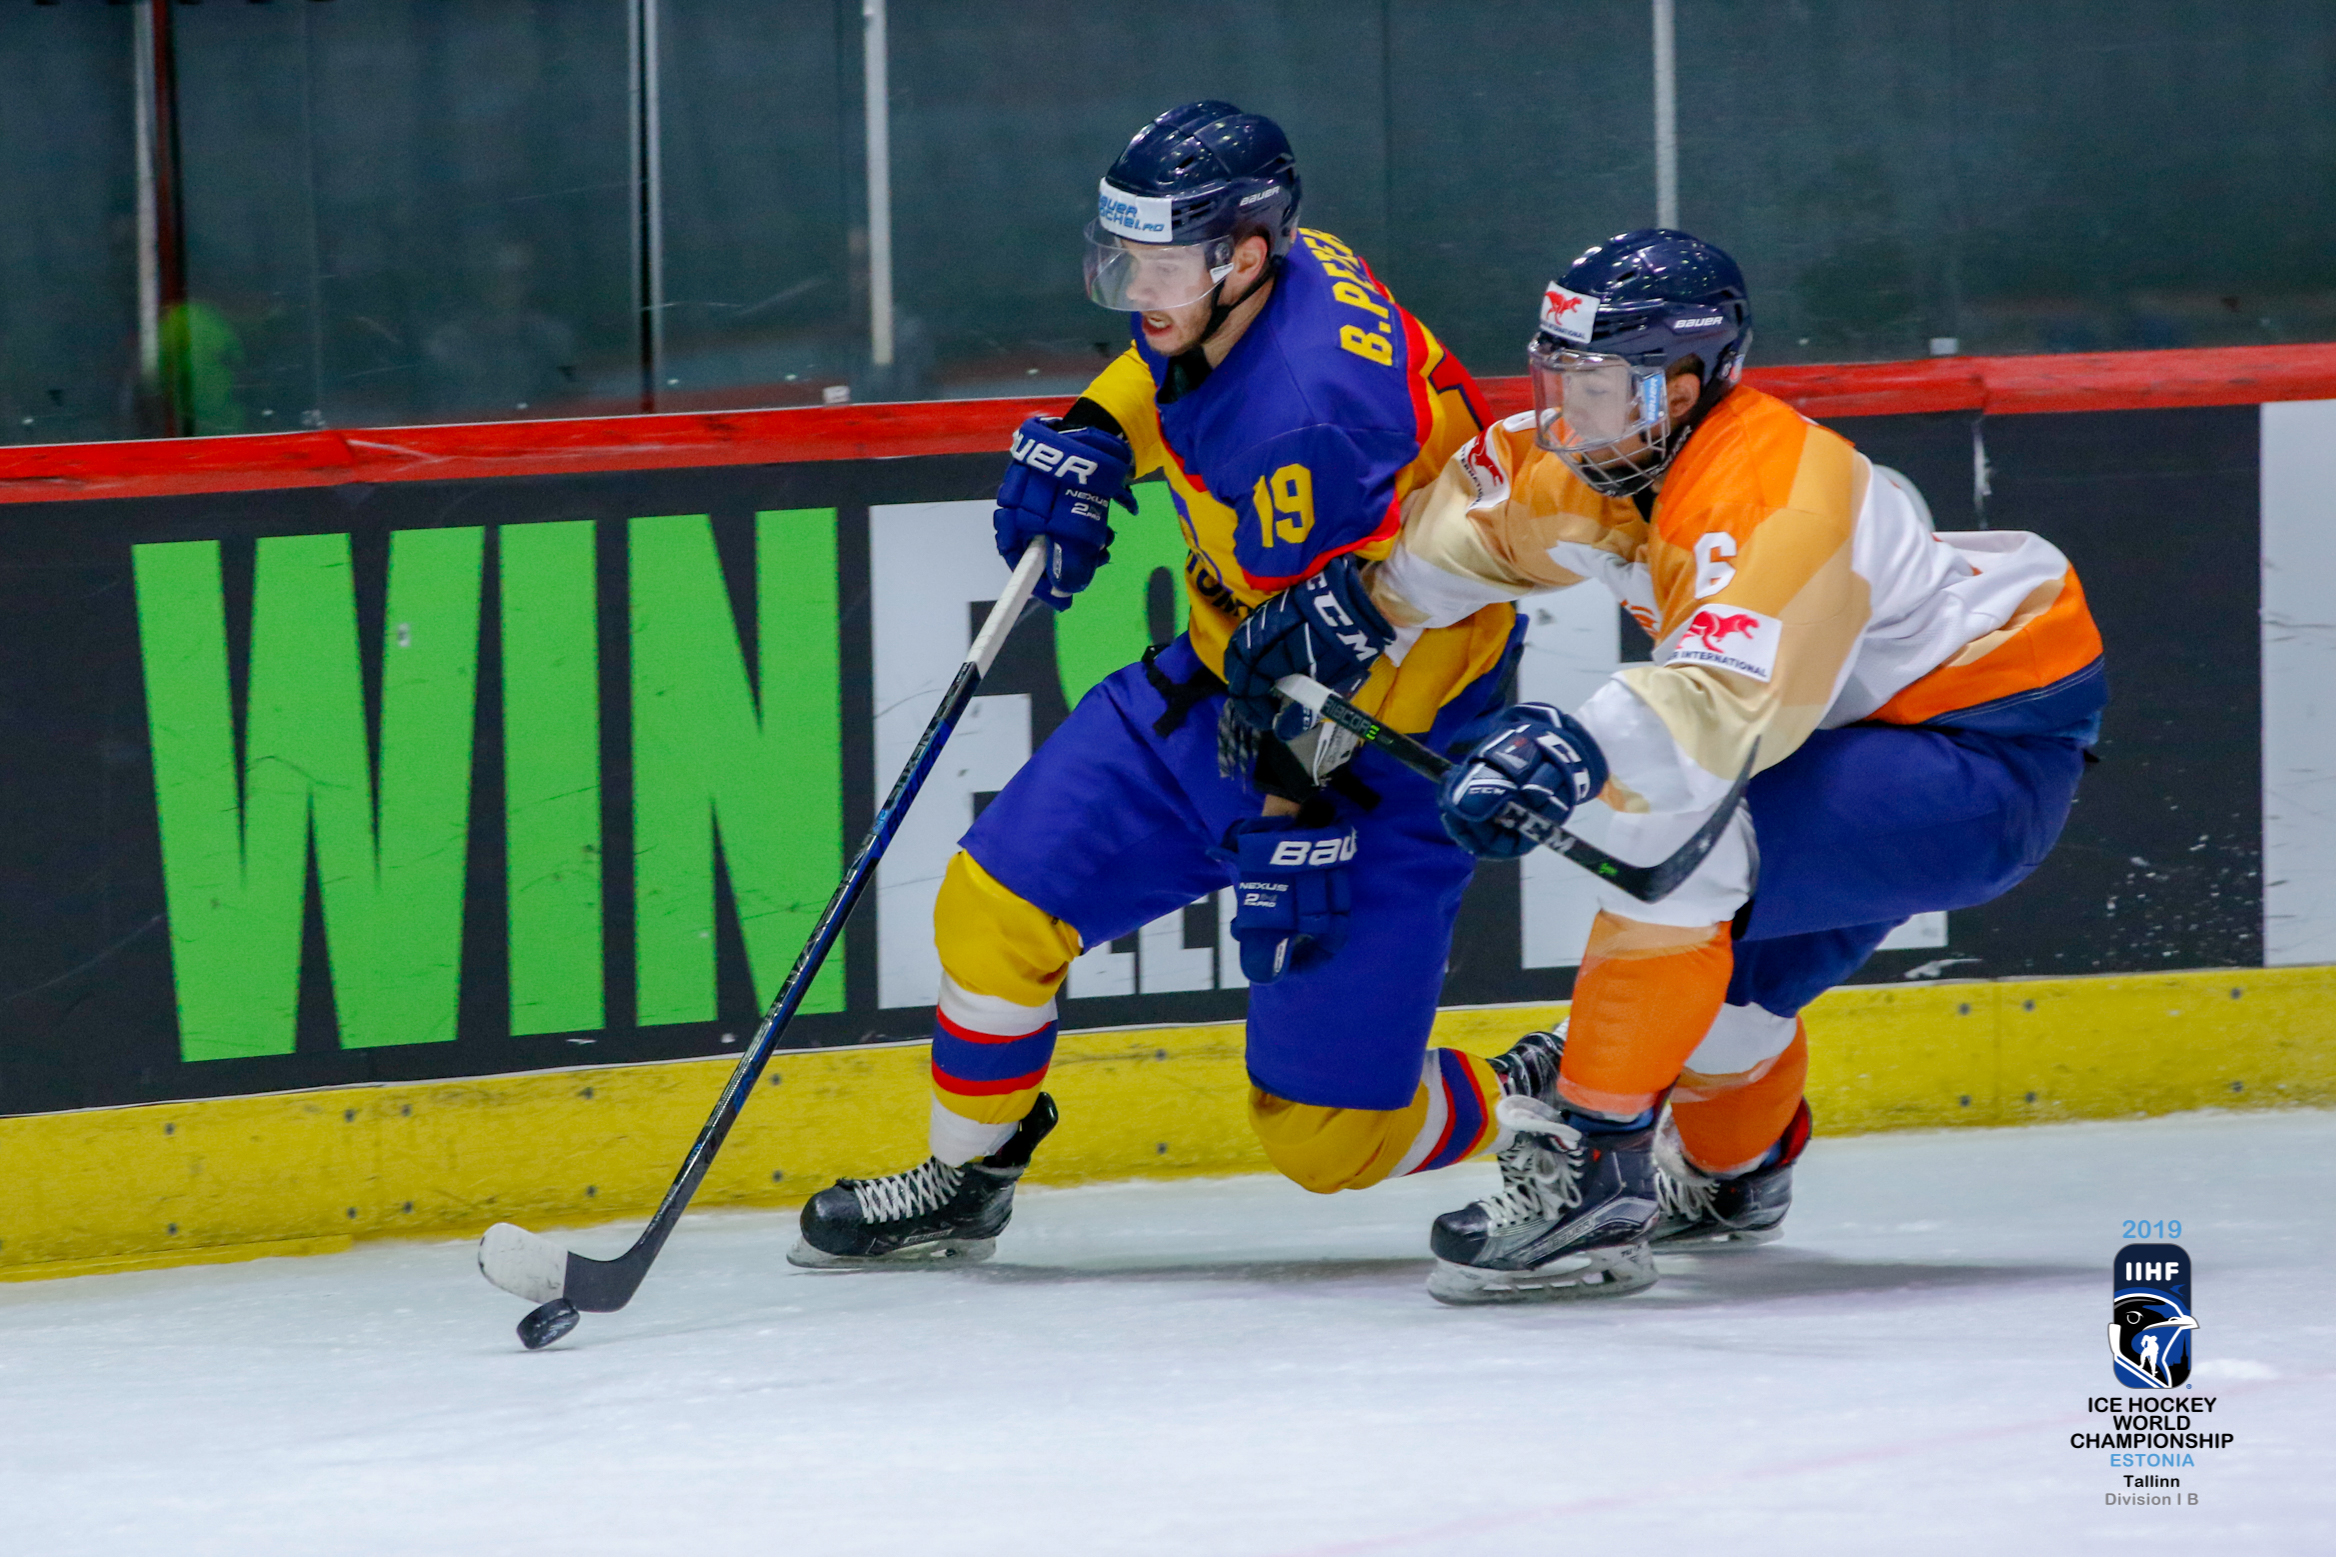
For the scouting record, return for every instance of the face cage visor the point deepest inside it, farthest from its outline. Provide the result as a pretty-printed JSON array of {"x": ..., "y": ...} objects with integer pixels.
[
  {"x": 1609, "y": 422},
  {"x": 1128, "y": 277}
]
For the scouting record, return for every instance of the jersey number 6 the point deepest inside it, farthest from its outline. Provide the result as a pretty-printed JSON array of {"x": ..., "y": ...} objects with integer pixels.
[{"x": 1713, "y": 572}]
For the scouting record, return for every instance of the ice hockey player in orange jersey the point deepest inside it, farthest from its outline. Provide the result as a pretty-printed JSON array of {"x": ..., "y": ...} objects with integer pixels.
[{"x": 1921, "y": 703}]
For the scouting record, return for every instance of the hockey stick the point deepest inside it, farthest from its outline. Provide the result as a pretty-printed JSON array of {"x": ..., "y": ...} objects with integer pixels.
[
  {"x": 563, "y": 1282},
  {"x": 1647, "y": 883}
]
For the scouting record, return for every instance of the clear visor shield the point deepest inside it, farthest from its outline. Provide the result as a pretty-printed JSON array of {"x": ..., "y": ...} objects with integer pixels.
[
  {"x": 1586, "y": 403},
  {"x": 1133, "y": 278}
]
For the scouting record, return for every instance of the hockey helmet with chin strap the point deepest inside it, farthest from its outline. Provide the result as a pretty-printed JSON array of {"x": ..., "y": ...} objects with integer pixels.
[
  {"x": 1624, "y": 318},
  {"x": 1190, "y": 186}
]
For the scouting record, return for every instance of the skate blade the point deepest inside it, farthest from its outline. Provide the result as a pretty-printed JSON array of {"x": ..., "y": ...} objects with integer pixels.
[
  {"x": 941, "y": 1251},
  {"x": 1588, "y": 1273},
  {"x": 1718, "y": 1242}
]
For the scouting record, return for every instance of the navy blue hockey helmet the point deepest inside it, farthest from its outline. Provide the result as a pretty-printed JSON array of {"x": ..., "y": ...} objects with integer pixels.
[
  {"x": 1189, "y": 187},
  {"x": 1625, "y": 316}
]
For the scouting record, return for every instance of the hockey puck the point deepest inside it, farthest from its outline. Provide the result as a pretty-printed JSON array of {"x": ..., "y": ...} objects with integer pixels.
[{"x": 547, "y": 1324}]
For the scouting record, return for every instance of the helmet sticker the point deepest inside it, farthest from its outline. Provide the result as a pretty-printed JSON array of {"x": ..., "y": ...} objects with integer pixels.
[
  {"x": 1569, "y": 314},
  {"x": 1145, "y": 218}
]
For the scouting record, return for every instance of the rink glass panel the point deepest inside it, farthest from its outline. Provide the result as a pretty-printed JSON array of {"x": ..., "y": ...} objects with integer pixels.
[
  {"x": 399, "y": 212},
  {"x": 69, "y": 251},
  {"x": 2078, "y": 176},
  {"x": 605, "y": 798},
  {"x": 406, "y": 213}
]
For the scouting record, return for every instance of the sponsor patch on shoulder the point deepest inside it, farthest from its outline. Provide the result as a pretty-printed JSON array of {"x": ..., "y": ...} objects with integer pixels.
[
  {"x": 1483, "y": 471},
  {"x": 1732, "y": 639},
  {"x": 1569, "y": 314}
]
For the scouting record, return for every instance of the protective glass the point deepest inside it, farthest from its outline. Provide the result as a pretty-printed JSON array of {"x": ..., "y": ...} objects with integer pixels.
[
  {"x": 1610, "y": 422},
  {"x": 1130, "y": 278},
  {"x": 1587, "y": 401}
]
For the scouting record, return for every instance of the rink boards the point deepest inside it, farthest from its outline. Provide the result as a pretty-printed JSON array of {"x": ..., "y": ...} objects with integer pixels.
[
  {"x": 307, "y": 1172},
  {"x": 365, "y": 785}
]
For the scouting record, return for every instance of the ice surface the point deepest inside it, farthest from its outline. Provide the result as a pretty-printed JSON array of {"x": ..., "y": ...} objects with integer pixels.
[{"x": 1230, "y": 1366}]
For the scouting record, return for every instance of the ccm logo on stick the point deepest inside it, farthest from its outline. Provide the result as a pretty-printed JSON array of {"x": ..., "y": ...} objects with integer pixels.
[{"x": 1297, "y": 851}]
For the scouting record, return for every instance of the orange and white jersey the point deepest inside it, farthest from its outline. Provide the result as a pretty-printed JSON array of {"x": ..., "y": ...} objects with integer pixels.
[{"x": 1789, "y": 586}]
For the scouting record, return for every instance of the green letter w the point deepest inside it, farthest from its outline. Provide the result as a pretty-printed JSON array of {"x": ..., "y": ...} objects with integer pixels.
[{"x": 235, "y": 844}]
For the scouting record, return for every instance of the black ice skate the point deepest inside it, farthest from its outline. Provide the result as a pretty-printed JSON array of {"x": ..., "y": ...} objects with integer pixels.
[
  {"x": 1529, "y": 1069},
  {"x": 930, "y": 1214},
  {"x": 1702, "y": 1212},
  {"x": 1570, "y": 1221}
]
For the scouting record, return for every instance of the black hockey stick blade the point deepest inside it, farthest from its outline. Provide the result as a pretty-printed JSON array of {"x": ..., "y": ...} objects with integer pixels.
[
  {"x": 1647, "y": 883},
  {"x": 560, "y": 1281}
]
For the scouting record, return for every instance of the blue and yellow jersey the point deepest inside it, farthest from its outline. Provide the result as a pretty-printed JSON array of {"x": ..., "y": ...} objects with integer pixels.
[{"x": 1333, "y": 407}]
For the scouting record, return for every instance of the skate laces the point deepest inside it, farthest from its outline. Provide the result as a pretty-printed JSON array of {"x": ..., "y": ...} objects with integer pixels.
[
  {"x": 898, "y": 1196},
  {"x": 1541, "y": 1170},
  {"x": 1683, "y": 1191}
]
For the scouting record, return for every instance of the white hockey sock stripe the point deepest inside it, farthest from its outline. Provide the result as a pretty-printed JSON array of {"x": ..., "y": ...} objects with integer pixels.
[
  {"x": 1431, "y": 1129},
  {"x": 990, "y": 1015},
  {"x": 957, "y": 1140},
  {"x": 1740, "y": 1038}
]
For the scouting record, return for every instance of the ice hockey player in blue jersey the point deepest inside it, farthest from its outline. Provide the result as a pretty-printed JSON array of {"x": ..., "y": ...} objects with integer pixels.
[{"x": 1292, "y": 406}]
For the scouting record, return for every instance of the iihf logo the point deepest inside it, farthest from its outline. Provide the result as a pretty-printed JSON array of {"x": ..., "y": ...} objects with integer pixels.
[{"x": 2150, "y": 1324}]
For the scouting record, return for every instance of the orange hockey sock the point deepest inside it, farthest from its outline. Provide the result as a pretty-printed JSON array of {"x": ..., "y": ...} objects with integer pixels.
[
  {"x": 1727, "y": 1123},
  {"x": 1645, "y": 997}
]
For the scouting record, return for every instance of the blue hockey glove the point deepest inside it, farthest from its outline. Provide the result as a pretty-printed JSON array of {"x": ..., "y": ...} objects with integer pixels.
[
  {"x": 1326, "y": 627},
  {"x": 1292, "y": 898},
  {"x": 1520, "y": 783},
  {"x": 1061, "y": 484}
]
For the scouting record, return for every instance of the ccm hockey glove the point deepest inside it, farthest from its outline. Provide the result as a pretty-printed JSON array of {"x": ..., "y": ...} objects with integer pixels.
[
  {"x": 1292, "y": 897},
  {"x": 1325, "y": 626},
  {"x": 1520, "y": 783},
  {"x": 1061, "y": 484}
]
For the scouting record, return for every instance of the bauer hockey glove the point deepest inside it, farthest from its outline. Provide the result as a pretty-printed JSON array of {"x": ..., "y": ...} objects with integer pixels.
[
  {"x": 1292, "y": 896},
  {"x": 1520, "y": 783},
  {"x": 1326, "y": 627},
  {"x": 1061, "y": 484}
]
